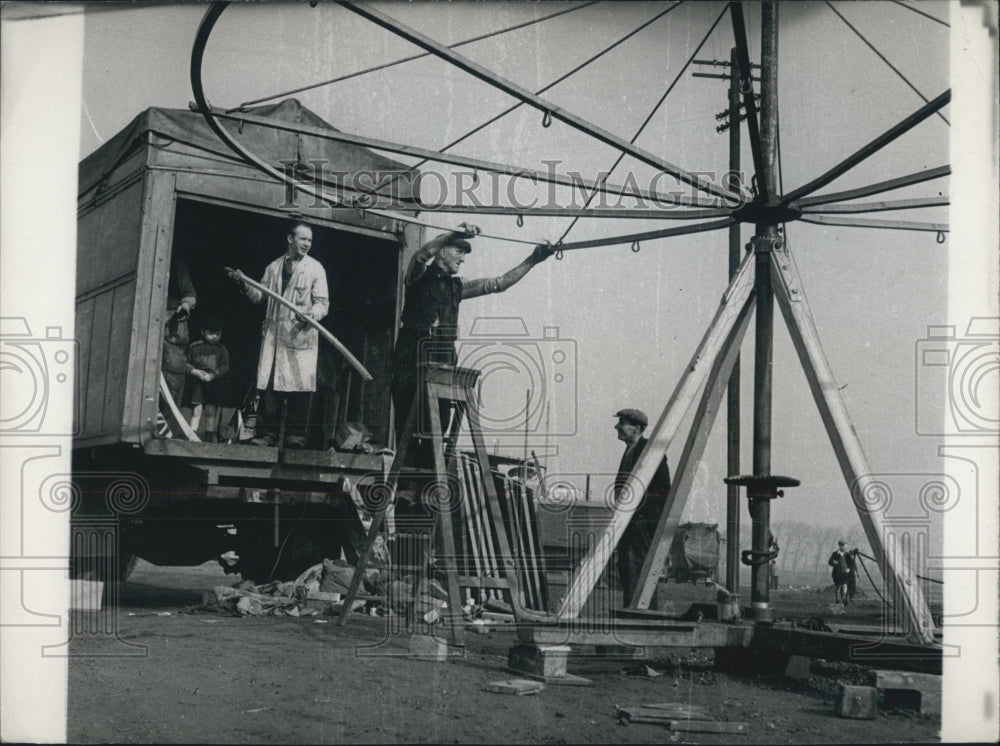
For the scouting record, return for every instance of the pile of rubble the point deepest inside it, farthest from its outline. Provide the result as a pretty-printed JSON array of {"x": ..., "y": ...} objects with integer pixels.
[{"x": 321, "y": 590}]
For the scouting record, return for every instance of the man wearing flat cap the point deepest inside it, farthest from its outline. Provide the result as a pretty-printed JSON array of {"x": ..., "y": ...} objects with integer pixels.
[
  {"x": 429, "y": 323},
  {"x": 638, "y": 537},
  {"x": 844, "y": 578}
]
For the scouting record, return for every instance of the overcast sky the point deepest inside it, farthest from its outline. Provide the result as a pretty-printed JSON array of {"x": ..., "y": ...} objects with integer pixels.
[{"x": 634, "y": 319}]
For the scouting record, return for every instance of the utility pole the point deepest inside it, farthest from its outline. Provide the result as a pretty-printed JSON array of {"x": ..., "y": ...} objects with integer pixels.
[{"x": 731, "y": 121}]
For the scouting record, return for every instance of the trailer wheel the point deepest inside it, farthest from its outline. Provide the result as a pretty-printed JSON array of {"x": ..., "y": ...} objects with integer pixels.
[{"x": 301, "y": 544}]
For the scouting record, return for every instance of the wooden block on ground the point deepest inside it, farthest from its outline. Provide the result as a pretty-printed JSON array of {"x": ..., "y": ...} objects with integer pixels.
[
  {"x": 798, "y": 668},
  {"x": 430, "y": 648},
  {"x": 548, "y": 661},
  {"x": 515, "y": 686},
  {"x": 925, "y": 687},
  {"x": 858, "y": 702}
]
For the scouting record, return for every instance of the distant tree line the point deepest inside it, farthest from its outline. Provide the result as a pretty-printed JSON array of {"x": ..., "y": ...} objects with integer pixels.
[{"x": 806, "y": 547}]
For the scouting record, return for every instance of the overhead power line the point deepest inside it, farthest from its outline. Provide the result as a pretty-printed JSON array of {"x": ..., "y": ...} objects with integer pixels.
[{"x": 884, "y": 59}]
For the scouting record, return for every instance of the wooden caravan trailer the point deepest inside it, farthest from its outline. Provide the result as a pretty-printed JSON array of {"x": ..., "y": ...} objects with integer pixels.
[{"x": 165, "y": 192}]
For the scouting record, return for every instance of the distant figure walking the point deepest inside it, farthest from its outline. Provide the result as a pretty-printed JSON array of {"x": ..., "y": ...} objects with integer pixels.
[{"x": 844, "y": 582}]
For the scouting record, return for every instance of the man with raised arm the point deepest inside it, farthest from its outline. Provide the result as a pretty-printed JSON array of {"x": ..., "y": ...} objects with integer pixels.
[{"x": 433, "y": 293}]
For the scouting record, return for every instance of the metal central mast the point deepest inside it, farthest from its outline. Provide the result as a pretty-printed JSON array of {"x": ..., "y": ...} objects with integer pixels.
[{"x": 764, "y": 241}]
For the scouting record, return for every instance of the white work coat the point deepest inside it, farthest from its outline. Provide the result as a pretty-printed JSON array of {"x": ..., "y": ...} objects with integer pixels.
[{"x": 286, "y": 347}]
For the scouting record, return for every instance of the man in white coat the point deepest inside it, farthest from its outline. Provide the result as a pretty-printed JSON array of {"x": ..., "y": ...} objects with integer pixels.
[{"x": 289, "y": 344}]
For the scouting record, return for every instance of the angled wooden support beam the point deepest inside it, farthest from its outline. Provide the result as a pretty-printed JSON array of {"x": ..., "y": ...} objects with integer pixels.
[
  {"x": 927, "y": 174},
  {"x": 746, "y": 88},
  {"x": 885, "y": 206},
  {"x": 899, "y": 225},
  {"x": 694, "y": 448},
  {"x": 550, "y": 110},
  {"x": 697, "y": 372},
  {"x": 647, "y": 236},
  {"x": 893, "y": 133},
  {"x": 854, "y": 466}
]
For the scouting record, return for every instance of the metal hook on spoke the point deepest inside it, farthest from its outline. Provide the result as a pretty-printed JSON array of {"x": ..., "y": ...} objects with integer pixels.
[
  {"x": 940, "y": 237},
  {"x": 547, "y": 119},
  {"x": 635, "y": 247},
  {"x": 520, "y": 221}
]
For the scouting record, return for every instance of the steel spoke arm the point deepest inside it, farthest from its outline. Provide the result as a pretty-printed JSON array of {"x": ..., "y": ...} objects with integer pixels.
[
  {"x": 544, "y": 210},
  {"x": 901, "y": 225},
  {"x": 634, "y": 238},
  {"x": 746, "y": 86},
  {"x": 551, "y": 111},
  {"x": 871, "y": 148},
  {"x": 894, "y": 204},
  {"x": 867, "y": 191}
]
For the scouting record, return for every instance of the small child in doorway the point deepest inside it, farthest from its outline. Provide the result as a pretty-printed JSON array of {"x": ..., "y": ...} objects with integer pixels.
[{"x": 208, "y": 362}]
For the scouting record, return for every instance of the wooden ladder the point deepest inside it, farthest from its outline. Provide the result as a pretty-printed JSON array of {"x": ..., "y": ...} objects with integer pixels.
[{"x": 456, "y": 386}]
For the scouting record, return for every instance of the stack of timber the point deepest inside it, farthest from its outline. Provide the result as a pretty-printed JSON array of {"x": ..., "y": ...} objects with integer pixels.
[{"x": 483, "y": 570}]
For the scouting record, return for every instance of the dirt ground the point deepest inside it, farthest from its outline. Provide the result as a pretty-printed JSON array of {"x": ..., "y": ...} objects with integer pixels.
[{"x": 171, "y": 673}]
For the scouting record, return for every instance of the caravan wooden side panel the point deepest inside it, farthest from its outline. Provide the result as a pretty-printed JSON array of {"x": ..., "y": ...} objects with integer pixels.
[
  {"x": 84, "y": 331},
  {"x": 116, "y": 388},
  {"x": 107, "y": 255},
  {"x": 95, "y": 387},
  {"x": 108, "y": 240}
]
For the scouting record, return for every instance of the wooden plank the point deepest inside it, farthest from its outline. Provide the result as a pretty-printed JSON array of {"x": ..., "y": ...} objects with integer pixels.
[
  {"x": 549, "y": 109},
  {"x": 378, "y": 519},
  {"x": 150, "y": 313},
  {"x": 854, "y": 466},
  {"x": 707, "y": 726},
  {"x": 696, "y": 373},
  {"x": 635, "y": 634},
  {"x": 694, "y": 448},
  {"x": 455, "y": 625}
]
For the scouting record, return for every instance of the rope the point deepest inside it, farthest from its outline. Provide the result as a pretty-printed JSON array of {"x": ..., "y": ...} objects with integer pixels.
[
  {"x": 554, "y": 83},
  {"x": 908, "y": 6},
  {"x": 387, "y": 65},
  {"x": 649, "y": 118},
  {"x": 868, "y": 575},
  {"x": 885, "y": 60}
]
